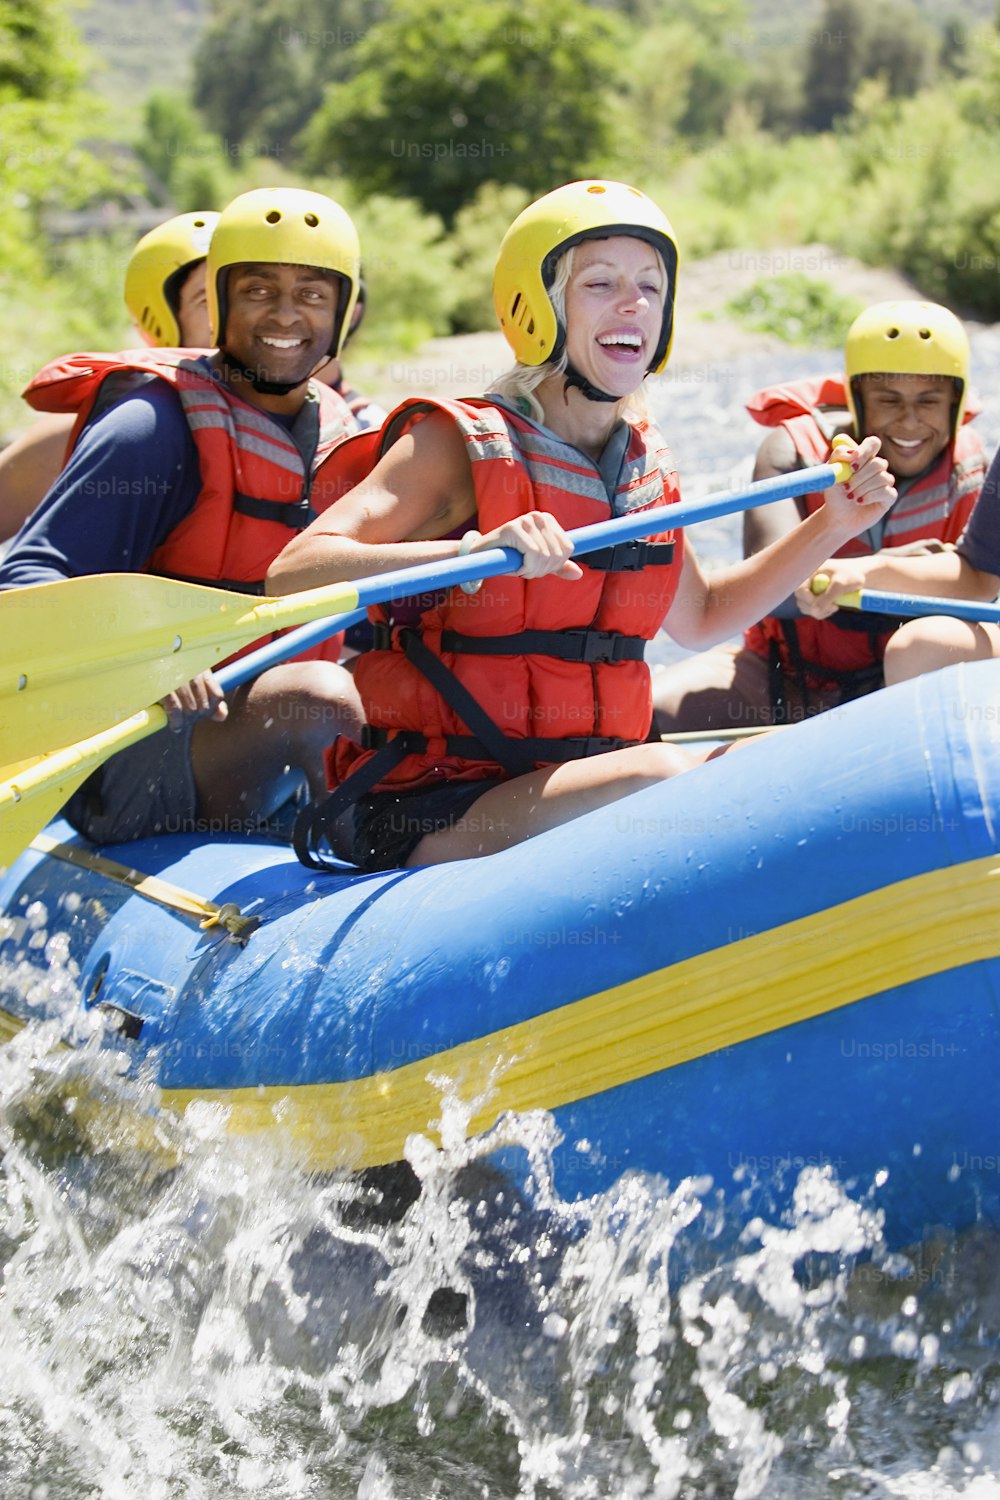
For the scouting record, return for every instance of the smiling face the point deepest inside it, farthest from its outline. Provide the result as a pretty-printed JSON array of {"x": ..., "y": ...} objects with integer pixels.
[
  {"x": 280, "y": 319},
  {"x": 911, "y": 415},
  {"x": 614, "y": 311}
]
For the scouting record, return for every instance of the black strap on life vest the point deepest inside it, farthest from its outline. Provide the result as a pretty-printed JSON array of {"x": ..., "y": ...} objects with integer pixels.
[
  {"x": 628, "y": 557},
  {"x": 238, "y": 585},
  {"x": 853, "y": 682},
  {"x": 487, "y": 741},
  {"x": 565, "y": 645},
  {"x": 296, "y": 517}
]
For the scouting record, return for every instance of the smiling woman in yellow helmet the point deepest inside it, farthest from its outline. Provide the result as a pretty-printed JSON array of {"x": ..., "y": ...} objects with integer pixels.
[
  {"x": 906, "y": 382},
  {"x": 498, "y": 714},
  {"x": 165, "y": 297}
]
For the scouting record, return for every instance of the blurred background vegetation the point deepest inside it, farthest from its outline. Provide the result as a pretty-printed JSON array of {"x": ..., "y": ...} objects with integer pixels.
[{"x": 873, "y": 128}]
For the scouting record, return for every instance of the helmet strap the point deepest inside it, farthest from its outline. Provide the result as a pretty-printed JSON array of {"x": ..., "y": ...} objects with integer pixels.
[
  {"x": 573, "y": 377},
  {"x": 255, "y": 380}
]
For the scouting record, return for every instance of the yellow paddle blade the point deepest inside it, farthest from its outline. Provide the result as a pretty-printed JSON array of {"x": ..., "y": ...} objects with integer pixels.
[
  {"x": 82, "y": 654},
  {"x": 33, "y": 791}
]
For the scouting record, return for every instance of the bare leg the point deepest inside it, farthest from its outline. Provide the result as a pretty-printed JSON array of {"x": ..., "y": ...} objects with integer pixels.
[
  {"x": 276, "y": 732},
  {"x": 532, "y": 804},
  {"x": 937, "y": 641},
  {"x": 726, "y": 688}
]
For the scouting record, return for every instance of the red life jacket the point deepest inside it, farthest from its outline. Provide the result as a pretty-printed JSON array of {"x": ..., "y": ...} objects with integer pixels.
[
  {"x": 257, "y": 489},
  {"x": 554, "y": 668},
  {"x": 846, "y": 650}
]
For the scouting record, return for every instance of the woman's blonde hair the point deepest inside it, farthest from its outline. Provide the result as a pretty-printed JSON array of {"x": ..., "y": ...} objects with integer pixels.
[{"x": 517, "y": 385}]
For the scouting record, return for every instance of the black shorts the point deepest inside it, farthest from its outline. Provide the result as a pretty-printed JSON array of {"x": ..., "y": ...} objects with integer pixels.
[
  {"x": 388, "y": 826},
  {"x": 144, "y": 790}
]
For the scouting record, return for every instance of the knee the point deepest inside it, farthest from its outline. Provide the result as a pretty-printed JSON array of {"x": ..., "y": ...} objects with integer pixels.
[
  {"x": 658, "y": 762},
  {"x": 314, "y": 702},
  {"x": 925, "y": 645}
]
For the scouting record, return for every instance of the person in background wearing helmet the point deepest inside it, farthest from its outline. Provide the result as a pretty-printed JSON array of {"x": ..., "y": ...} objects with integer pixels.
[
  {"x": 906, "y": 382},
  {"x": 199, "y": 466},
  {"x": 166, "y": 299},
  {"x": 497, "y": 714}
]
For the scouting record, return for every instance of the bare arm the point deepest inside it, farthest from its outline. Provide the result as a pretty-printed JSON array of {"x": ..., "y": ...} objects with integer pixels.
[
  {"x": 945, "y": 573},
  {"x": 29, "y": 467},
  {"x": 764, "y": 524},
  {"x": 711, "y": 608},
  {"x": 419, "y": 492}
]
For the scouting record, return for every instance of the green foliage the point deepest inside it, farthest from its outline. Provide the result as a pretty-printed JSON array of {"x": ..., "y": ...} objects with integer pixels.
[
  {"x": 260, "y": 70},
  {"x": 408, "y": 268},
  {"x": 76, "y": 305},
  {"x": 192, "y": 166},
  {"x": 445, "y": 98},
  {"x": 476, "y": 234},
  {"x": 46, "y": 116},
  {"x": 40, "y": 54},
  {"x": 927, "y": 197},
  {"x": 796, "y": 307},
  {"x": 855, "y": 40}
]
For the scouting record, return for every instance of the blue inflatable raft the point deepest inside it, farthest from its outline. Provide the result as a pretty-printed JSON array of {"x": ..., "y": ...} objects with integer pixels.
[{"x": 788, "y": 957}]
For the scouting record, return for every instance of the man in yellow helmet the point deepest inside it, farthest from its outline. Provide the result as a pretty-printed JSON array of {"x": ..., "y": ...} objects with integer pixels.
[
  {"x": 199, "y": 466},
  {"x": 165, "y": 297},
  {"x": 906, "y": 382}
]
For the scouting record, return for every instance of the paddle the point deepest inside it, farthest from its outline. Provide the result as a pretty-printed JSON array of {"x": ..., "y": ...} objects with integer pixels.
[
  {"x": 84, "y": 653},
  {"x": 881, "y": 602},
  {"x": 33, "y": 791}
]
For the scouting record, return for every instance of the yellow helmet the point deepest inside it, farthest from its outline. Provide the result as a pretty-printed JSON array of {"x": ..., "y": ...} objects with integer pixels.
[
  {"x": 285, "y": 226},
  {"x": 542, "y": 232},
  {"x": 156, "y": 271},
  {"x": 906, "y": 338}
]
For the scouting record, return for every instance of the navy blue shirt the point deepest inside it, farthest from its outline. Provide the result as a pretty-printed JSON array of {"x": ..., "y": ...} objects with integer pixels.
[
  {"x": 132, "y": 477},
  {"x": 980, "y": 541}
]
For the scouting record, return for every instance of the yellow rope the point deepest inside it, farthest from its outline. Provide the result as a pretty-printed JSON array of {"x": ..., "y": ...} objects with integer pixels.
[{"x": 208, "y": 913}]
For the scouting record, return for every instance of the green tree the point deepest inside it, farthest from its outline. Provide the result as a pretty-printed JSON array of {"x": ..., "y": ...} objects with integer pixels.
[
  {"x": 45, "y": 115},
  {"x": 445, "y": 98},
  {"x": 836, "y": 61},
  {"x": 854, "y": 40},
  {"x": 260, "y": 70},
  {"x": 190, "y": 164}
]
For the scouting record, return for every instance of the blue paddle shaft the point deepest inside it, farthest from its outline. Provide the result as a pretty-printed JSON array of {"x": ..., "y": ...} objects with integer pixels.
[
  {"x": 882, "y": 603},
  {"x": 402, "y": 582}
]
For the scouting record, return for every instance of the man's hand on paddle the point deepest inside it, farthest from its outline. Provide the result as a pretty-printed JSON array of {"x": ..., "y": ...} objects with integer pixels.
[{"x": 202, "y": 698}]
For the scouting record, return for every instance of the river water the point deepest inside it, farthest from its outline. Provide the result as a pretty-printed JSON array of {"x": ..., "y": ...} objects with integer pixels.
[{"x": 218, "y": 1328}]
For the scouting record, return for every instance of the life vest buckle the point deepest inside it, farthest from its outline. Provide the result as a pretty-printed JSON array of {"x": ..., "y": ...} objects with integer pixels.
[{"x": 600, "y": 645}]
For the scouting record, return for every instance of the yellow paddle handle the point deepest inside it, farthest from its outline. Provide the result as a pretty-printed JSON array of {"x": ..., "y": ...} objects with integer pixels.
[
  {"x": 819, "y": 584},
  {"x": 843, "y": 471}
]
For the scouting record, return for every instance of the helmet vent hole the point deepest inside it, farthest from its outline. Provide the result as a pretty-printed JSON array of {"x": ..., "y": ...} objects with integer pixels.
[
  {"x": 595, "y": 187},
  {"x": 893, "y": 333},
  {"x": 273, "y": 217},
  {"x": 311, "y": 220},
  {"x": 925, "y": 333}
]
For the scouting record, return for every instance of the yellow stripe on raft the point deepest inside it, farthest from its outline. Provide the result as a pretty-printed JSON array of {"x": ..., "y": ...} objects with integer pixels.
[{"x": 918, "y": 927}]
